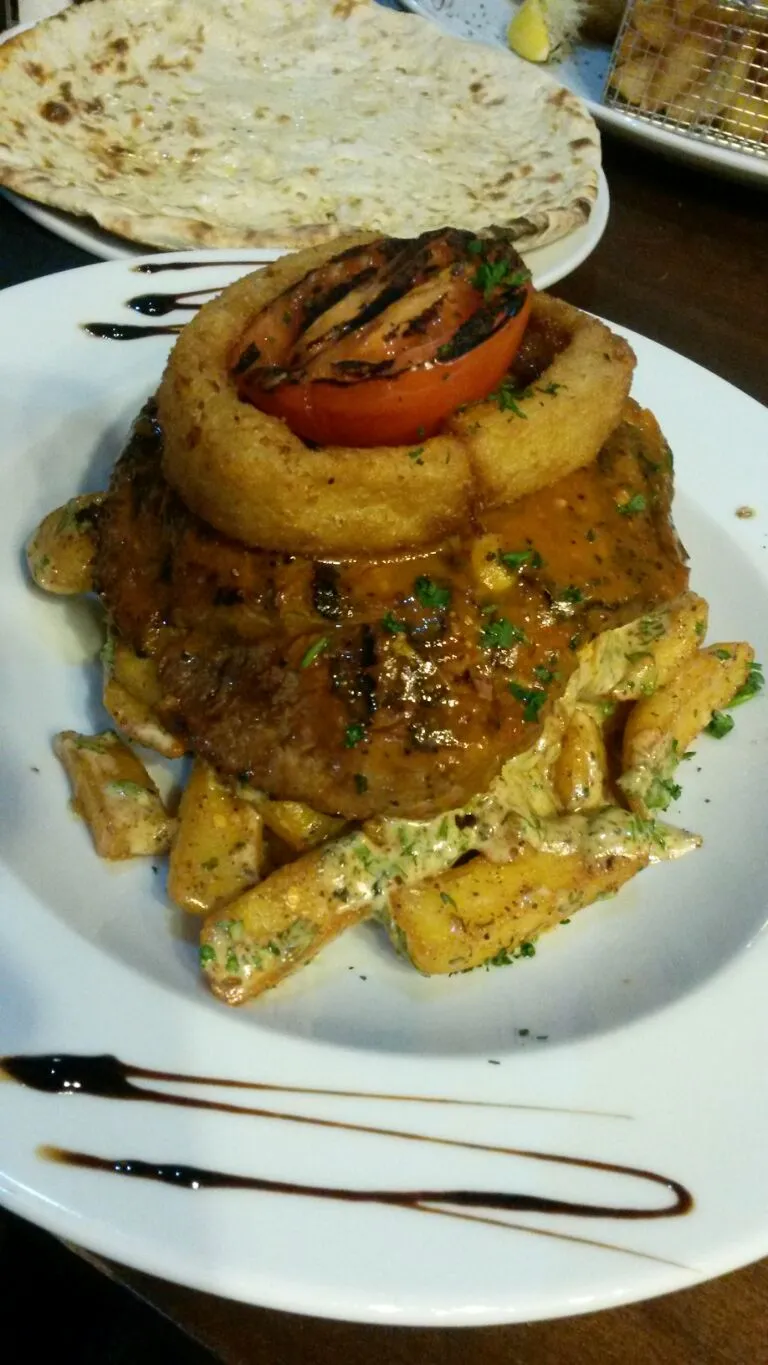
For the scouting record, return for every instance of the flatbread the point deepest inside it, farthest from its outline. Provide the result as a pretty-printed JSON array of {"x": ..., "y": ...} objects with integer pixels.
[{"x": 285, "y": 123}]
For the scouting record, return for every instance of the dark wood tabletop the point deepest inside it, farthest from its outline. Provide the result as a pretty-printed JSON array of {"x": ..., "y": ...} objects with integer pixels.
[{"x": 684, "y": 260}]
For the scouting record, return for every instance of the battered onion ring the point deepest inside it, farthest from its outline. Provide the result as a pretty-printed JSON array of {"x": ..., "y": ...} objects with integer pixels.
[{"x": 251, "y": 478}]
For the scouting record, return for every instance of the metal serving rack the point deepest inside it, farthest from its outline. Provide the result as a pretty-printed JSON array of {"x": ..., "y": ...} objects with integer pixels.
[{"x": 697, "y": 67}]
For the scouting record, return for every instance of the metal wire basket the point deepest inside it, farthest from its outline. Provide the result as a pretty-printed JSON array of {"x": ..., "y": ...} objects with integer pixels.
[{"x": 699, "y": 67}]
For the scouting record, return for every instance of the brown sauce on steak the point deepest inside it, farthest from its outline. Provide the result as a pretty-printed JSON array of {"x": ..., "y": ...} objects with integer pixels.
[{"x": 383, "y": 685}]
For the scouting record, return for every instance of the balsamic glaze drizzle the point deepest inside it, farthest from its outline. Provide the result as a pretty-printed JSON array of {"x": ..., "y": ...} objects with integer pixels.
[
  {"x": 157, "y": 267},
  {"x": 118, "y": 331},
  {"x": 157, "y": 305},
  {"x": 109, "y": 1078}
]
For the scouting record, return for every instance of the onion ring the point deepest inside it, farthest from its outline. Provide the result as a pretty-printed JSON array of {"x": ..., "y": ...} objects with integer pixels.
[{"x": 249, "y": 476}]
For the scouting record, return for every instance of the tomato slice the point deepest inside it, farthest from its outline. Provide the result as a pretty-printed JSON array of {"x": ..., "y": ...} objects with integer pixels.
[{"x": 383, "y": 343}]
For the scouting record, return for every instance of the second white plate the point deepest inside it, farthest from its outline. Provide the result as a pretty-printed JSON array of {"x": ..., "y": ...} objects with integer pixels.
[{"x": 584, "y": 72}]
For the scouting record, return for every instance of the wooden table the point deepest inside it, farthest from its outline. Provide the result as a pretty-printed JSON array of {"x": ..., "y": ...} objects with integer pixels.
[{"x": 684, "y": 260}]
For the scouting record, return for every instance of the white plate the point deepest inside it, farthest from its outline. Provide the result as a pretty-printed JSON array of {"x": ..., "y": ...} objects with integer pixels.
[
  {"x": 636, "y": 1037},
  {"x": 584, "y": 71},
  {"x": 548, "y": 263}
]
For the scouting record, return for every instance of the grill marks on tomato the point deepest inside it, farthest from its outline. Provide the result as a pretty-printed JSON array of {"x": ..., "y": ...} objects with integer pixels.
[{"x": 388, "y": 324}]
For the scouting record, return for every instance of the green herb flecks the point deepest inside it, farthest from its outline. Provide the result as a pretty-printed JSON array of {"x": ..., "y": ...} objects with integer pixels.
[
  {"x": 391, "y": 625},
  {"x": 448, "y": 900},
  {"x": 531, "y": 699},
  {"x": 507, "y": 396},
  {"x": 418, "y": 451},
  {"x": 430, "y": 594},
  {"x": 755, "y": 682},
  {"x": 314, "y": 652},
  {"x": 491, "y": 275},
  {"x": 361, "y": 783},
  {"x": 354, "y": 735},
  {"x": 499, "y": 633},
  {"x": 207, "y": 954},
  {"x": 571, "y": 594},
  {"x": 661, "y": 792},
  {"x": 544, "y": 674},
  {"x": 517, "y": 559},
  {"x": 633, "y": 506},
  {"x": 720, "y": 725}
]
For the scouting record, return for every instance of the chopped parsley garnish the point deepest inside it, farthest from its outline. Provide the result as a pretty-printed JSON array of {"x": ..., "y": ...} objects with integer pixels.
[
  {"x": 475, "y": 247},
  {"x": 233, "y": 965},
  {"x": 503, "y": 958},
  {"x": 506, "y": 396},
  {"x": 591, "y": 535},
  {"x": 551, "y": 389},
  {"x": 754, "y": 683},
  {"x": 632, "y": 506},
  {"x": 722, "y": 653},
  {"x": 515, "y": 559},
  {"x": 448, "y": 900},
  {"x": 314, "y": 652},
  {"x": 720, "y": 725},
  {"x": 527, "y": 950},
  {"x": 651, "y": 628},
  {"x": 700, "y": 629},
  {"x": 361, "y": 783},
  {"x": 531, "y": 699},
  {"x": 430, "y": 594},
  {"x": 417, "y": 453},
  {"x": 499, "y": 633},
  {"x": 570, "y": 594},
  {"x": 544, "y": 674},
  {"x": 390, "y": 623},
  {"x": 207, "y": 954},
  {"x": 492, "y": 275},
  {"x": 354, "y": 735},
  {"x": 661, "y": 791}
]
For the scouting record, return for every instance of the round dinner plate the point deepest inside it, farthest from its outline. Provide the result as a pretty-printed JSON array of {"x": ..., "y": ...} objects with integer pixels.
[
  {"x": 580, "y": 1129},
  {"x": 584, "y": 71},
  {"x": 548, "y": 263}
]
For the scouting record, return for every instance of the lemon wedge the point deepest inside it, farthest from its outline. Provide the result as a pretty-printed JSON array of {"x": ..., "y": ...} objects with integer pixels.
[{"x": 528, "y": 34}]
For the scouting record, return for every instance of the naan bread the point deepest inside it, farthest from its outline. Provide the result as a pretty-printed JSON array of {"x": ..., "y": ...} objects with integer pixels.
[{"x": 285, "y": 123}]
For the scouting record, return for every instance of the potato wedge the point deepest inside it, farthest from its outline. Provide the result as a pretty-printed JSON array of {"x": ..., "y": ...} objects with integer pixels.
[
  {"x": 218, "y": 849},
  {"x": 632, "y": 77},
  {"x": 115, "y": 795},
  {"x": 60, "y": 554},
  {"x": 268, "y": 932},
  {"x": 660, "y": 728},
  {"x": 488, "y": 912},
  {"x": 665, "y": 641},
  {"x": 581, "y": 771},
  {"x": 137, "y": 721},
  {"x": 136, "y": 673},
  {"x": 654, "y": 20},
  {"x": 299, "y": 826},
  {"x": 686, "y": 60}
]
